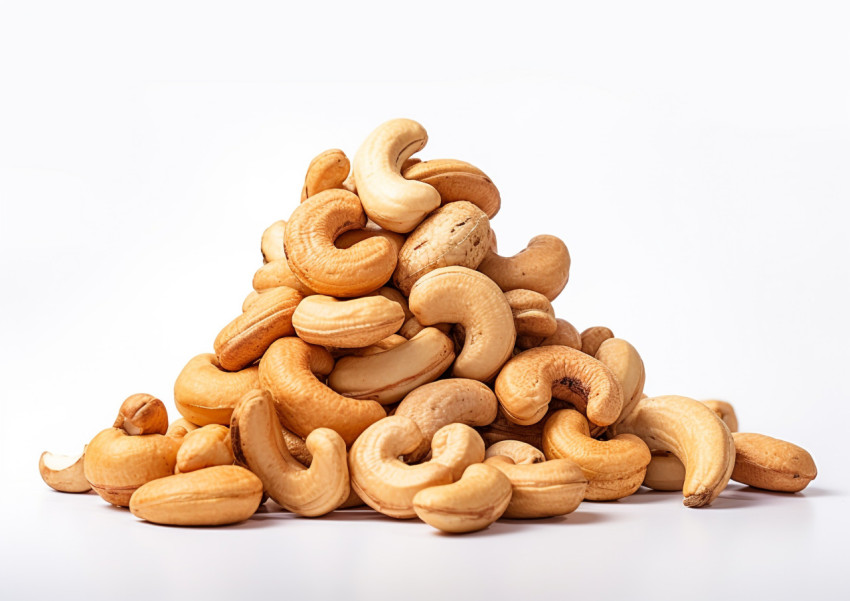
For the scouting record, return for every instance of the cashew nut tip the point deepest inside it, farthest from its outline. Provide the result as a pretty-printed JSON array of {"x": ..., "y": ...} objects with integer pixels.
[
  {"x": 544, "y": 266},
  {"x": 328, "y": 170}
]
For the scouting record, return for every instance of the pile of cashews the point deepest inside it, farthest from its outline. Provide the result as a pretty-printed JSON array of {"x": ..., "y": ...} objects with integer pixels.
[{"x": 389, "y": 357}]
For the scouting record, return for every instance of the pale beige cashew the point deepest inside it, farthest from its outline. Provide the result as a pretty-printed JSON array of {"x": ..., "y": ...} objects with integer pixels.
[
  {"x": 455, "y": 234},
  {"x": 694, "y": 434},
  {"x": 457, "y": 181},
  {"x": 388, "y": 343},
  {"x": 206, "y": 394},
  {"x": 380, "y": 478},
  {"x": 614, "y": 468},
  {"x": 271, "y": 244},
  {"x": 275, "y": 274},
  {"x": 457, "y": 446},
  {"x": 444, "y": 402},
  {"x": 64, "y": 473},
  {"x": 350, "y": 323},
  {"x": 520, "y": 453},
  {"x": 303, "y": 402},
  {"x": 544, "y": 266},
  {"x": 386, "y": 377},
  {"x": 246, "y": 338},
  {"x": 565, "y": 335},
  {"x": 472, "y": 503},
  {"x": 205, "y": 447},
  {"x": 319, "y": 264},
  {"x": 627, "y": 366},
  {"x": 326, "y": 171},
  {"x": 252, "y": 296},
  {"x": 771, "y": 464},
  {"x": 411, "y": 327},
  {"x": 259, "y": 445},
  {"x": 466, "y": 297},
  {"x": 180, "y": 427},
  {"x": 525, "y": 385},
  {"x": 533, "y": 314},
  {"x": 142, "y": 414},
  {"x": 664, "y": 472},
  {"x": 213, "y": 496},
  {"x": 541, "y": 490},
  {"x": 397, "y": 297},
  {"x": 352, "y": 237},
  {"x": 116, "y": 463},
  {"x": 297, "y": 447},
  {"x": 724, "y": 411},
  {"x": 591, "y": 338}
]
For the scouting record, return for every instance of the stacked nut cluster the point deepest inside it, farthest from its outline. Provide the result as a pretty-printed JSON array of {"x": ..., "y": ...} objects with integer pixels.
[{"x": 388, "y": 356}]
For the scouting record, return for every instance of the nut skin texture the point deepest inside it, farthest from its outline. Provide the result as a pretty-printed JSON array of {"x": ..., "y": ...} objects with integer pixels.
[
  {"x": 142, "y": 414},
  {"x": 525, "y": 385},
  {"x": 565, "y": 335},
  {"x": 274, "y": 274},
  {"x": 541, "y": 490},
  {"x": 457, "y": 446},
  {"x": 472, "y": 503},
  {"x": 271, "y": 243},
  {"x": 544, "y": 266},
  {"x": 326, "y": 171},
  {"x": 664, "y": 472},
  {"x": 627, "y": 366},
  {"x": 304, "y": 403},
  {"x": 353, "y": 323},
  {"x": 771, "y": 464},
  {"x": 724, "y": 411},
  {"x": 694, "y": 434},
  {"x": 258, "y": 444},
  {"x": 614, "y": 468},
  {"x": 592, "y": 337},
  {"x": 533, "y": 314},
  {"x": 204, "y": 393},
  {"x": 457, "y": 181},
  {"x": 205, "y": 447},
  {"x": 246, "y": 338},
  {"x": 454, "y": 234},
  {"x": 520, "y": 453},
  {"x": 390, "y": 200},
  {"x": 319, "y": 264},
  {"x": 463, "y": 296},
  {"x": 68, "y": 477},
  {"x": 213, "y": 496}
]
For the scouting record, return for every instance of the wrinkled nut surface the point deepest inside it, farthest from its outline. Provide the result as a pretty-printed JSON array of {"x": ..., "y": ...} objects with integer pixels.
[
  {"x": 213, "y": 496},
  {"x": 142, "y": 414},
  {"x": 664, "y": 472},
  {"x": 565, "y": 335},
  {"x": 772, "y": 464},
  {"x": 457, "y": 446},
  {"x": 524, "y": 387},
  {"x": 274, "y": 274},
  {"x": 541, "y": 490},
  {"x": 627, "y": 366},
  {"x": 544, "y": 266},
  {"x": 352, "y": 323},
  {"x": 521, "y": 453},
  {"x": 457, "y": 181},
  {"x": 328, "y": 170},
  {"x": 724, "y": 411},
  {"x": 204, "y": 393},
  {"x": 390, "y": 200},
  {"x": 64, "y": 473},
  {"x": 455, "y": 234},
  {"x": 271, "y": 244},
  {"x": 591, "y": 338},
  {"x": 258, "y": 443},
  {"x": 472, "y": 503},
  {"x": 319, "y": 264},
  {"x": 246, "y": 338},
  {"x": 463, "y": 296},
  {"x": 205, "y": 447},
  {"x": 533, "y": 313}
]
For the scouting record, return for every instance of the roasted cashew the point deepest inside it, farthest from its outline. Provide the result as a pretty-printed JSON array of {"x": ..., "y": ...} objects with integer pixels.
[
  {"x": 520, "y": 453},
  {"x": 533, "y": 314},
  {"x": 64, "y": 473},
  {"x": 541, "y": 490},
  {"x": 297, "y": 447},
  {"x": 326, "y": 171},
  {"x": 274, "y": 274},
  {"x": 411, "y": 327},
  {"x": 351, "y": 323},
  {"x": 180, "y": 427},
  {"x": 664, "y": 472},
  {"x": 504, "y": 429},
  {"x": 771, "y": 464},
  {"x": 463, "y": 296},
  {"x": 142, "y": 414},
  {"x": 544, "y": 266},
  {"x": 271, "y": 244},
  {"x": 625, "y": 363},
  {"x": 457, "y": 446},
  {"x": 352, "y": 237},
  {"x": 390, "y": 200},
  {"x": 565, "y": 335},
  {"x": 319, "y": 264},
  {"x": 388, "y": 343},
  {"x": 724, "y": 411},
  {"x": 205, "y": 447},
  {"x": 206, "y": 394},
  {"x": 456, "y": 181},
  {"x": 591, "y": 338}
]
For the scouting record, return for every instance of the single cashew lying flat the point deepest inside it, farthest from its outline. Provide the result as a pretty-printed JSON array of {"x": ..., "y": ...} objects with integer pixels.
[
  {"x": 205, "y": 447},
  {"x": 520, "y": 453},
  {"x": 258, "y": 444},
  {"x": 533, "y": 314},
  {"x": 457, "y": 181},
  {"x": 463, "y": 296},
  {"x": 724, "y": 411},
  {"x": 142, "y": 414},
  {"x": 664, "y": 472},
  {"x": 625, "y": 363},
  {"x": 274, "y": 274},
  {"x": 771, "y": 464},
  {"x": 591, "y": 338},
  {"x": 694, "y": 434},
  {"x": 565, "y": 335},
  {"x": 64, "y": 473},
  {"x": 353, "y": 323},
  {"x": 206, "y": 394},
  {"x": 544, "y": 266},
  {"x": 541, "y": 490},
  {"x": 390, "y": 200},
  {"x": 328, "y": 170},
  {"x": 271, "y": 244}
]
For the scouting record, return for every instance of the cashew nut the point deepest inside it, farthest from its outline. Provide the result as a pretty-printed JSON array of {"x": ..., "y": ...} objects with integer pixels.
[
  {"x": 457, "y": 446},
  {"x": 274, "y": 274},
  {"x": 271, "y": 244},
  {"x": 520, "y": 453},
  {"x": 664, "y": 472},
  {"x": 205, "y": 447},
  {"x": 457, "y": 181},
  {"x": 388, "y": 343},
  {"x": 625, "y": 363},
  {"x": 541, "y": 490},
  {"x": 328, "y": 170},
  {"x": 180, "y": 427},
  {"x": 565, "y": 335},
  {"x": 352, "y": 237},
  {"x": 206, "y": 394},
  {"x": 142, "y": 414},
  {"x": 591, "y": 338},
  {"x": 353, "y": 323},
  {"x": 533, "y": 314},
  {"x": 544, "y": 266},
  {"x": 771, "y": 464},
  {"x": 64, "y": 473},
  {"x": 724, "y": 411}
]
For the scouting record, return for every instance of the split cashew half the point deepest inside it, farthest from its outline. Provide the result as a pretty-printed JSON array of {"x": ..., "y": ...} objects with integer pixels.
[{"x": 544, "y": 266}]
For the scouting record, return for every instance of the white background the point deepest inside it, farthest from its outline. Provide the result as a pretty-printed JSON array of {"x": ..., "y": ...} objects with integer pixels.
[{"x": 694, "y": 159}]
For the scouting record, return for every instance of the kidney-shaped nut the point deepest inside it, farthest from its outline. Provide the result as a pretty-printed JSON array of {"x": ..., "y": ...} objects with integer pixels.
[
  {"x": 664, "y": 472},
  {"x": 380, "y": 478},
  {"x": 205, "y": 447},
  {"x": 387, "y": 344},
  {"x": 772, "y": 464},
  {"x": 524, "y": 386},
  {"x": 614, "y": 468},
  {"x": 319, "y": 264},
  {"x": 142, "y": 414},
  {"x": 212, "y": 496},
  {"x": 724, "y": 411},
  {"x": 625, "y": 363},
  {"x": 386, "y": 377},
  {"x": 544, "y": 266},
  {"x": 455, "y": 234},
  {"x": 694, "y": 434},
  {"x": 565, "y": 335},
  {"x": 246, "y": 338},
  {"x": 520, "y": 453},
  {"x": 352, "y": 323},
  {"x": 205, "y": 394},
  {"x": 472, "y": 503},
  {"x": 179, "y": 428},
  {"x": 593, "y": 337},
  {"x": 258, "y": 443},
  {"x": 326, "y": 171},
  {"x": 274, "y": 274},
  {"x": 466, "y": 297},
  {"x": 541, "y": 490},
  {"x": 533, "y": 313},
  {"x": 352, "y": 237},
  {"x": 271, "y": 244},
  {"x": 390, "y": 200},
  {"x": 457, "y": 181},
  {"x": 64, "y": 473},
  {"x": 116, "y": 464},
  {"x": 304, "y": 403},
  {"x": 457, "y": 446}
]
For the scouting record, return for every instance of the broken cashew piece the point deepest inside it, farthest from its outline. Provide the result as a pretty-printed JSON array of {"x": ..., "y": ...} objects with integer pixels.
[
  {"x": 271, "y": 244},
  {"x": 520, "y": 453},
  {"x": 205, "y": 394},
  {"x": 541, "y": 490},
  {"x": 64, "y": 473},
  {"x": 205, "y": 447},
  {"x": 326, "y": 171},
  {"x": 544, "y": 266},
  {"x": 457, "y": 181},
  {"x": 772, "y": 464},
  {"x": 142, "y": 414},
  {"x": 351, "y": 323}
]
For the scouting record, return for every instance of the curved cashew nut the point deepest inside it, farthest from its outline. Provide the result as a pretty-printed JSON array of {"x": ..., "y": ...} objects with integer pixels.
[
  {"x": 353, "y": 323},
  {"x": 457, "y": 181},
  {"x": 724, "y": 411},
  {"x": 271, "y": 244},
  {"x": 326, "y": 171},
  {"x": 694, "y": 434},
  {"x": 533, "y": 313},
  {"x": 541, "y": 490},
  {"x": 463, "y": 296},
  {"x": 180, "y": 427},
  {"x": 303, "y": 403},
  {"x": 205, "y": 447},
  {"x": 772, "y": 464},
  {"x": 525, "y": 384},
  {"x": 625, "y": 363},
  {"x": 614, "y": 468},
  {"x": 388, "y": 343},
  {"x": 142, "y": 414},
  {"x": 565, "y": 335},
  {"x": 664, "y": 472},
  {"x": 258, "y": 444},
  {"x": 520, "y": 453},
  {"x": 319, "y": 264},
  {"x": 352, "y": 237},
  {"x": 64, "y": 473},
  {"x": 457, "y": 446},
  {"x": 274, "y": 274},
  {"x": 391, "y": 201},
  {"x": 206, "y": 394},
  {"x": 593, "y": 337},
  {"x": 544, "y": 266}
]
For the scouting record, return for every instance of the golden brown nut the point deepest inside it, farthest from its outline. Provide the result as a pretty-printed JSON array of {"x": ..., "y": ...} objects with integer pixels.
[
  {"x": 544, "y": 266},
  {"x": 326, "y": 171},
  {"x": 457, "y": 181},
  {"x": 541, "y": 490},
  {"x": 591, "y": 338},
  {"x": 771, "y": 464},
  {"x": 206, "y": 394},
  {"x": 142, "y": 414}
]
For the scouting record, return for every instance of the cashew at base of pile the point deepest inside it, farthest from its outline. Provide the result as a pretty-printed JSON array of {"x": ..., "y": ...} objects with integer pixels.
[
  {"x": 541, "y": 490},
  {"x": 771, "y": 464},
  {"x": 205, "y": 447},
  {"x": 64, "y": 473},
  {"x": 520, "y": 453}
]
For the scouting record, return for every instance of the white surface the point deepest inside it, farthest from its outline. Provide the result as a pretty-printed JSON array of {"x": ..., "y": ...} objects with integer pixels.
[{"x": 695, "y": 162}]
